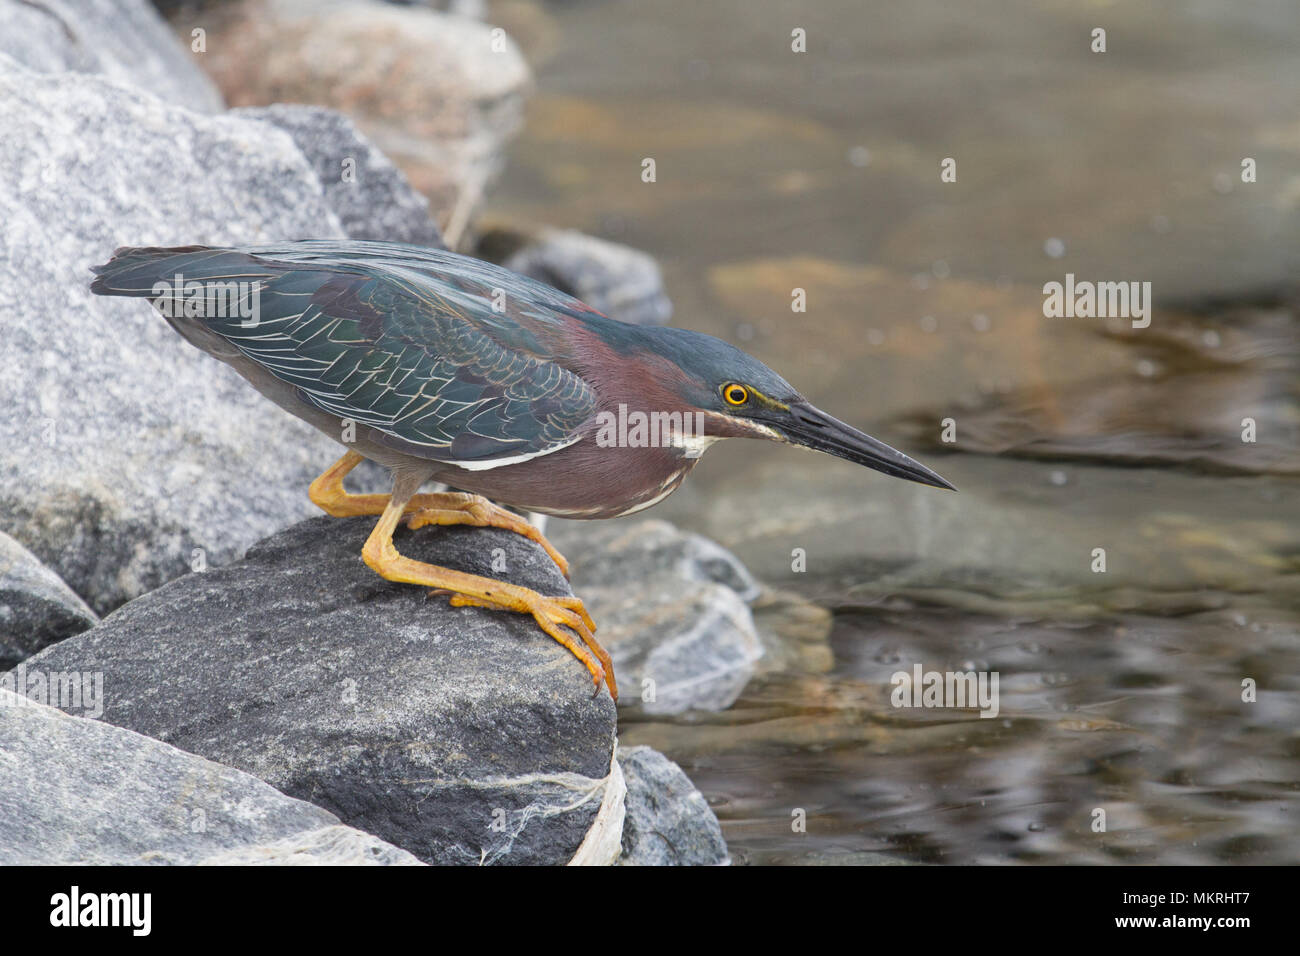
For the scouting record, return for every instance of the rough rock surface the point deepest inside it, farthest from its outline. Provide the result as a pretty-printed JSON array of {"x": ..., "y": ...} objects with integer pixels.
[
  {"x": 125, "y": 40},
  {"x": 668, "y": 822},
  {"x": 329, "y": 846},
  {"x": 370, "y": 195},
  {"x": 622, "y": 282},
  {"x": 36, "y": 607},
  {"x": 440, "y": 95},
  {"x": 460, "y": 734},
  {"x": 673, "y": 613},
  {"x": 126, "y": 455},
  {"x": 77, "y": 791}
]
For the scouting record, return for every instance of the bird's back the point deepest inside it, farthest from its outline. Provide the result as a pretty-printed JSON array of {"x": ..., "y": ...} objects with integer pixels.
[{"x": 445, "y": 357}]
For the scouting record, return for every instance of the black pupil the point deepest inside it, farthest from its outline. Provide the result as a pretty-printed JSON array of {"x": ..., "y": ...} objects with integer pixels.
[{"x": 737, "y": 394}]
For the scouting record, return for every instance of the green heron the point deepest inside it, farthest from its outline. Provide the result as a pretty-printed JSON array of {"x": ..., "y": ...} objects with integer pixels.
[{"x": 446, "y": 368}]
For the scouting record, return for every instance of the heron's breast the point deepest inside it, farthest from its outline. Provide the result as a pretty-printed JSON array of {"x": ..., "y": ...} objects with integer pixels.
[{"x": 582, "y": 480}]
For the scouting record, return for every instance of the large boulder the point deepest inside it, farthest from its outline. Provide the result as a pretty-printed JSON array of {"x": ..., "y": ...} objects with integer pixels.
[
  {"x": 36, "y": 607},
  {"x": 126, "y": 455},
  {"x": 74, "y": 791},
  {"x": 460, "y": 734},
  {"x": 125, "y": 40},
  {"x": 441, "y": 95}
]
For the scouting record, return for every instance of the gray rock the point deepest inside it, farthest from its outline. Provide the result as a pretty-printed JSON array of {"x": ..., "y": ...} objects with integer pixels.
[
  {"x": 36, "y": 607},
  {"x": 76, "y": 791},
  {"x": 126, "y": 455},
  {"x": 367, "y": 192},
  {"x": 621, "y": 282},
  {"x": 440, "y": 95},
  {"x": 615, "y": 554},
  {"x": 460, "y": 734},
  {"x": 673, "y": 613},
  {"x": 329, "y": 846},
  {"x": 125, "y": 40},
  {"x": 668, "y": 822}
]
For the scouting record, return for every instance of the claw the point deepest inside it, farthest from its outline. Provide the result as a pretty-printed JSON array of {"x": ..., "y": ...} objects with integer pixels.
[{"x": 553, "y": 614}]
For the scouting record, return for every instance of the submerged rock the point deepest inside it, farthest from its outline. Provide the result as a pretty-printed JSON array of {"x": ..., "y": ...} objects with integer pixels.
[
  {"x": 36, "y": 607},
  {"x": 460, "y": 734},
  {"x": 126, "y": 455},
  {"x": 75, "y": 791}
]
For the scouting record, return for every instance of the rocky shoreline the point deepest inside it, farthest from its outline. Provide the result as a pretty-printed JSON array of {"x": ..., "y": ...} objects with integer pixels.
[{"x": 198, "y": 670}]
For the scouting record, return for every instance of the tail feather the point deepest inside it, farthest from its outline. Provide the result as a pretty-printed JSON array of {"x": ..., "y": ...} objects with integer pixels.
[{"x": 136, "y": 270}]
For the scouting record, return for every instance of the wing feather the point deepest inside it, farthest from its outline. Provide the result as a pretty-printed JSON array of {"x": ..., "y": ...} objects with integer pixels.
[{"x": 407, "y": 345}]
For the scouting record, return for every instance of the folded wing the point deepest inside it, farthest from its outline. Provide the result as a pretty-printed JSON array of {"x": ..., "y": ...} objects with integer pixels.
[{"x": 380, "y": 339}]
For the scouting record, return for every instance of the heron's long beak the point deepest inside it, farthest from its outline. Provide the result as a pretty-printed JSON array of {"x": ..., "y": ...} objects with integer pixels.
[{"x": 813, "y": 428}]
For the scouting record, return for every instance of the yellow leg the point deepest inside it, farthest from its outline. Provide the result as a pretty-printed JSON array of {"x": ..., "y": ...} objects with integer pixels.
[
  {"x": 460, "y": 508},
  {"x": 562, "y": 618},
  {"x": 328, "y": 494}
]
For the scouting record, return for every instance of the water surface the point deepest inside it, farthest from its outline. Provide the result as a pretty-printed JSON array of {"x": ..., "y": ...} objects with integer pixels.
[{"x": 1120, "y": 690}]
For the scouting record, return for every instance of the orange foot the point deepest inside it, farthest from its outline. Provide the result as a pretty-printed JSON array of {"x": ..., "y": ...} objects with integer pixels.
[{"x": 565, "y": 619}]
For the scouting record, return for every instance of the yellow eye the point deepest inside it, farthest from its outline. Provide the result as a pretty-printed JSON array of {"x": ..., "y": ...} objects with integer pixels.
[{"x": 735, "y": 394}]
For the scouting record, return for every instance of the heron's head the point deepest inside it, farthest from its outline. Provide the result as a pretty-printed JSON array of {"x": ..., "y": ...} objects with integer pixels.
[{"x": 740, "y": 396}]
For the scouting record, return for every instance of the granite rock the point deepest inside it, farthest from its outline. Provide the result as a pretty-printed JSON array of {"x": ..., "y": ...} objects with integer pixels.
[
  {"x": 370, "y": 196},
  {"x": 127, "y": 456},
  {"x": 36, "y": 607},
  {"x": 74, "y": 791},
  {"x": 124, "y": 40},
  {"x": 460, "y": 734}
]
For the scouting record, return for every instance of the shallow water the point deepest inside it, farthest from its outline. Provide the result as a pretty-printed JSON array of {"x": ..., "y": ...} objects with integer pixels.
[{"x": 1119, "y": 690}]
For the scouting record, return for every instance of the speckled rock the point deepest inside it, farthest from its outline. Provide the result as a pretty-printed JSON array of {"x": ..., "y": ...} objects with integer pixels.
[
  {"x": 125, "y": 40},
  {"x": 75, "y": 791},
  {"x": 370, "y": 195},
  {"x": 126, "y": 455},
  {"x": 36, "y": 607},
  {"x": 460, "y": 734},
  {"x": 329, "y": 846}
]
